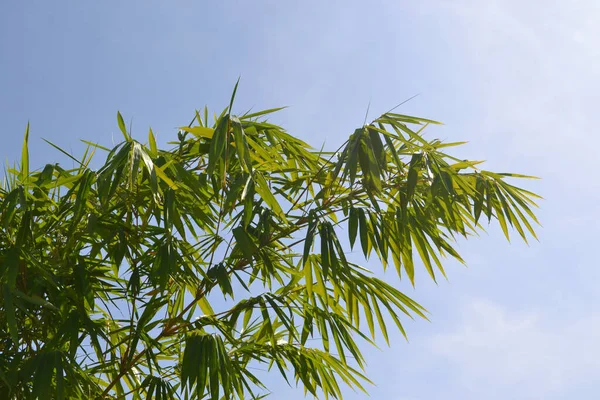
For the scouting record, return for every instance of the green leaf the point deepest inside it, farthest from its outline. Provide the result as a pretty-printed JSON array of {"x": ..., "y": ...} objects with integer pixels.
[
  {"x": 25, "y": 155},
  {"x": 11, "y": 263},
  {"x": 160, "y": 173},
  {"x": 245, "y": 243},
  {"x": 10, "y": 314},
  {"x": 364, "y": 232},
  {"x": 96, "y": 145},
  {"x": 352, "y": 226},
  {"x": 479, "y": 199},
  {"x": 233, "y": 94},
  {"x": 218, "y": 145},
  {"x": 415, "y": 120},
  {"x": 152, "y": 143},
  {"x": 422, "y": 248},
  {"x": 34, "y": 300},
  {"x": 42, "y": 381},
  {"x": 263, "y": 190},
  {"x": 60, "y": 379},
  {"x": 241, "y": 146},
  {"x": 122, "y": 127},
  {"x": 205, "y": 306},
  {"x": 411, "y": 182},
  {"x": 308, "y": 278},
  {"x": 199, "y": 131},
  {"x": 261, "y": 113}
]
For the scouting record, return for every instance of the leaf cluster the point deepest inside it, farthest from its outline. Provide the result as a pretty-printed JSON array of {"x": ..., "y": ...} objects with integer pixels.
[{"x": 174, "y": 273}]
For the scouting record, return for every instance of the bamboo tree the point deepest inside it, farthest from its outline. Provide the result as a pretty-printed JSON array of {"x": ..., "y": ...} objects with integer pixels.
[{"x": 111, "y": 277}]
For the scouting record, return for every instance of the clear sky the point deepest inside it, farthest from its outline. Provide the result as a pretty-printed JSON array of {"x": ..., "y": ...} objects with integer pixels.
[{"x": 520, "y": 80}]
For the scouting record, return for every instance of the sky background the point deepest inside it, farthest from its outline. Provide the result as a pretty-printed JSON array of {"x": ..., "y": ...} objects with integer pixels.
[{"x": 520, "y": 80}]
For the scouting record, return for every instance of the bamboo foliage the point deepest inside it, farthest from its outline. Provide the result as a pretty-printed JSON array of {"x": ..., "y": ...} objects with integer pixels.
[{"x": 174, "y": 273}]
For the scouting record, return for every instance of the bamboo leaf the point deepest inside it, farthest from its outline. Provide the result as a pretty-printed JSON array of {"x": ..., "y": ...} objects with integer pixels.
[
  {"x": 122, "y": 127},
  {"x": 10, "y": 314},
  {"x": 352, "y": 226},
  {"x": 25, "y": 155},
  {"x": 152, "y": 143},
  {"x": 263, "y": 190},
  {"x": 261, "y": 113},
  {"x": 245, "y": 243},
  {"x": 199, "y": 131}
]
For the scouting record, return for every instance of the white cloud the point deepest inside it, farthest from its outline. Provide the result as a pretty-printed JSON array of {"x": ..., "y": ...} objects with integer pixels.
[
  {"x": 499, "y": 353},
  {"x": 535, "y": 66}
]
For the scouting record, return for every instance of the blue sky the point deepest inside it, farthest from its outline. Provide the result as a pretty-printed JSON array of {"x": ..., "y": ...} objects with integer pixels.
[{"x": 519, "y": 80}]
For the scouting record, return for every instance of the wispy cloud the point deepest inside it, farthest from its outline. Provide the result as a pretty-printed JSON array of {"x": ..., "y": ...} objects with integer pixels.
[
  {"x": 496, "y": 352},
  {"x": 538, "y": 61}
]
